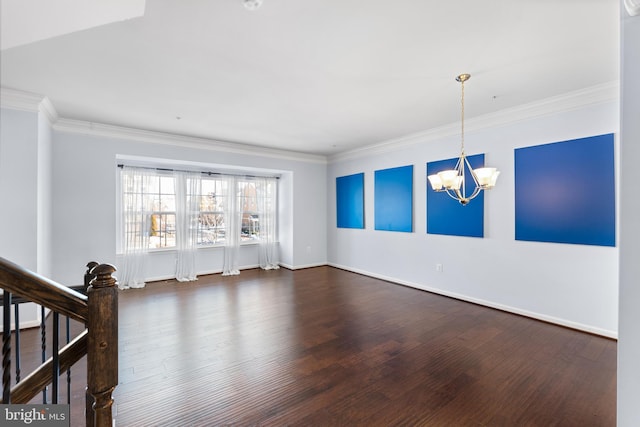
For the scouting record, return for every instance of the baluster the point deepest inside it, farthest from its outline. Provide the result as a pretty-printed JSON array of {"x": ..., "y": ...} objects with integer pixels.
[
  {"x": 43, "y": 346},
  {"x": 102, "y": 344},
  {"x": 56, "y": 358},
  {"x": 16, "y": 322},
  {"x": 88, "y": 409},
  {"x": 68, "y": 370},
  {"x": 6, "y": 348}
]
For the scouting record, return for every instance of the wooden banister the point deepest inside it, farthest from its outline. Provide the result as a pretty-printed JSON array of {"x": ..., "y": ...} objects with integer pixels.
[
  {"x": 98, "y": 310},
  {"x": 102, "y": 348},
  {"x": 42, "y": 291},
  {"x": 37, "y": 380}
]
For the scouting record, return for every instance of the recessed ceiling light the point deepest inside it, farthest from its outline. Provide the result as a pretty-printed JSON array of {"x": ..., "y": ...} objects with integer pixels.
[{"x": 252, "y": 4}]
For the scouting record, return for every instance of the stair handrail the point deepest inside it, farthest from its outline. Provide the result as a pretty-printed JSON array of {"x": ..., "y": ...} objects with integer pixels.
[
  {"x": 98, "y": 310},
  {"x": 45, "y": 292}
]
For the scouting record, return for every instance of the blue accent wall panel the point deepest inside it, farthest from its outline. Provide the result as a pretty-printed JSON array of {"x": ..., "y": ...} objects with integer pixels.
[
  {"x": 565, "y": 192},
  {"x": 394, "y": 199},
  {"x": 446, "y": 215},
  {"x": 350, "y": 201}
]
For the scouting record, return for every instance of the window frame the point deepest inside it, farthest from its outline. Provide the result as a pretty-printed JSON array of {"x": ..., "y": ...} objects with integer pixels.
[{"x": 163, "y": 170}]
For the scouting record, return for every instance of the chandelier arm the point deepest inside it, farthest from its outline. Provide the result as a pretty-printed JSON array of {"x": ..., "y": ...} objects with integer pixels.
[
  {"x": 475, "y": 193},
  {"x": 455, "y": 195},
  {"x": 457, "y": 167},
  {"x": 473, "y": 174},
  {"x": 459, "y": 197},
  {"x": 460, "y": 168}
]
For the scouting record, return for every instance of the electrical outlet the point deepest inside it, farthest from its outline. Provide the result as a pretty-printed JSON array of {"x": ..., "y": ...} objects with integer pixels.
[{"x": 439, "y": 268}]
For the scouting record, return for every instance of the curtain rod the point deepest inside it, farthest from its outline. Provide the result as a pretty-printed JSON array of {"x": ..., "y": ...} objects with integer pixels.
[{"x": 208, "y": 173}]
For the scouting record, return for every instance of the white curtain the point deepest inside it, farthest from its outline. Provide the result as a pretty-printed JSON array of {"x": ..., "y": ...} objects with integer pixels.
[
  {"x": 136, "y": 220},
  {"x": 233, "y": 225},
  {"x": 187, "y": 186},
  {"x": 266, "y": 190}
]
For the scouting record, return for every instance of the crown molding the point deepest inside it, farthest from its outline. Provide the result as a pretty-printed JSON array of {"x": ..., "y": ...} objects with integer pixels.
[
  {"x": 34, "y": 103},
  {"x": 26, "y": 101},
  {"x": 20, "y": 100},
  {"x": 154, "y": 137},
  {"x": 47, "y": 108},
  {"x": 602, "y": 93}
]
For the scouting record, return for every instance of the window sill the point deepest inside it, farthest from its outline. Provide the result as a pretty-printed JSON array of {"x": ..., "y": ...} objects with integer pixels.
[{"x": 215, "y": 246}]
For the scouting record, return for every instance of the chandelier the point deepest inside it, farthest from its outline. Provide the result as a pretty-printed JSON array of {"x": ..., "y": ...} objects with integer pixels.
[{"x": 453, "y": 181}]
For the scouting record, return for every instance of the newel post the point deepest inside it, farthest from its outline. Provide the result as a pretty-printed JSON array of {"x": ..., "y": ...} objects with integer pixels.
[
  {"x": 88, "y": 276},
  {"x": 102, "y": 344}
]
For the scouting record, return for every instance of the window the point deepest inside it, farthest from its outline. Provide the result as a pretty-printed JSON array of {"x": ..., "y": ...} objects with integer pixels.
[
  {"x": 250, "y": 218},
  {"x": 163, "y": 212},
  {"x": 155, "y": 199},
  {"x": 156, "y": 203},
  {"x": 211, "y": 227}
]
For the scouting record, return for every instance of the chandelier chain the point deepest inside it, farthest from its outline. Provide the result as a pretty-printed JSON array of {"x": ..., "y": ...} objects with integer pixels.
[{"x": 462, "y": 117}]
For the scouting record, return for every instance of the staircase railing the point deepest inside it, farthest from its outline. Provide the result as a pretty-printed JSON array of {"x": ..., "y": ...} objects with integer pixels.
[{"x": 98, "y": 311}]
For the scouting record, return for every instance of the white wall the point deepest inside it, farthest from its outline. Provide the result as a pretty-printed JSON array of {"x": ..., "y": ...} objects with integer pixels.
[
  {"x": 18, "y": 187},
  {"x": 309, "y": 234},
  {"x": 25, "y": 179},
  {"x": 44, "y": 200},
  {"x": 285, "y": 218},
  {"x": 574, "y": 285},
  {"x": 25, "y": 189},
  {"x": 629, "y": 334},
  {"x": 84, "y": 194}
]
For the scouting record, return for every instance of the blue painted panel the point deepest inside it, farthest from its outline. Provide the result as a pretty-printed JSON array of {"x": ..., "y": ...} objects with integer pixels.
[
  {"x": 350, "y": 201},
  {"x": 565, "y": 192},
  {"x": 446, "y": 215},
  {"x": 394, "y": 199}
]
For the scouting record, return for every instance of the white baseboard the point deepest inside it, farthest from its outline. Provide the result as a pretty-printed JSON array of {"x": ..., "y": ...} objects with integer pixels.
[
  {"x": 200, "y": 273},
  {"x": 538, "y": 316},
  {"x": 300, "y": 267},
  {"x": 30, "y": 324},
  {"x": 24, "y": 325},
  {"x": 27, "y": 321}
]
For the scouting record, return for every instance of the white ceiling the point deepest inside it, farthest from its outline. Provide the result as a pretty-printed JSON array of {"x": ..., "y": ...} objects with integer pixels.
[
  {"x": 318, "y": 77},
  {"x": 28, "y": 21}
]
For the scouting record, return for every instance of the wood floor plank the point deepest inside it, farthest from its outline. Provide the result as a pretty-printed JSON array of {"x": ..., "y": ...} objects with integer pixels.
[{"x": 326, "y": 347}]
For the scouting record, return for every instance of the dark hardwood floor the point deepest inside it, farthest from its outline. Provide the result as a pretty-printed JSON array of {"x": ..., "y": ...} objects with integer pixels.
[{"x": 326, "y": 347}]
